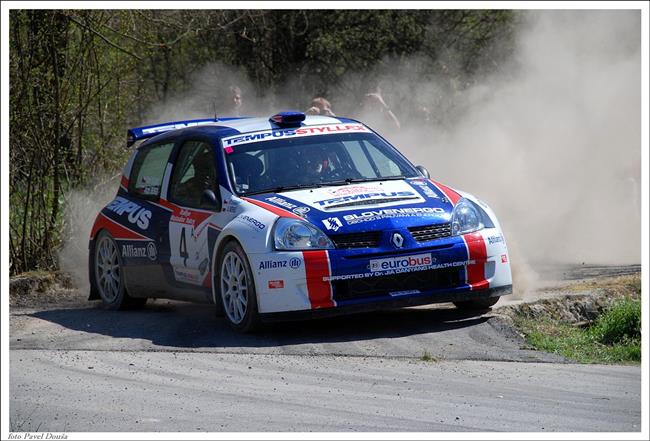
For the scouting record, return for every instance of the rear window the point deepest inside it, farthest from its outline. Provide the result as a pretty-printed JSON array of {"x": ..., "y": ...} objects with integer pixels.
[{"x": 148, "y": 170}]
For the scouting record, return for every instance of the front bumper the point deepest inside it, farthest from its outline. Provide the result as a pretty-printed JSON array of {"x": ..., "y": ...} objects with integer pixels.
[
  {"x": 387, "y": 303},
  {"x": 455, "y": 268}
]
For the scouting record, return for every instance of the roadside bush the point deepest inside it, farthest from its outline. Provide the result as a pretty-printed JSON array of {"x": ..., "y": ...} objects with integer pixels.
[{"x": 621, "y": 323}]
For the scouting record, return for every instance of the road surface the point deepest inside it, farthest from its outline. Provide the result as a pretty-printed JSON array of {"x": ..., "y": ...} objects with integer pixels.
[{"x": 176, "y": 367}]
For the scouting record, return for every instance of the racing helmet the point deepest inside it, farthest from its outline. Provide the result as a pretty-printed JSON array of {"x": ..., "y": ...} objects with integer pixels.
[
  {"x": 316, "y": 160},
  {"x": 203, "y": 168}
]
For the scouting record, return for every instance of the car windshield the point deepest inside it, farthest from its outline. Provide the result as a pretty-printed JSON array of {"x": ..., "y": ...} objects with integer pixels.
[{"x": 314, "y": 161}]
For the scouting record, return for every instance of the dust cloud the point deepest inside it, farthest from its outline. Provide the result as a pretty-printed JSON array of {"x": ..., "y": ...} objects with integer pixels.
[
  {"x": 554, "y": 144},
  {"x": 81, "y": 207},
  {"x": 208, "y": 94},
  {"x": 551, "y": 141}
]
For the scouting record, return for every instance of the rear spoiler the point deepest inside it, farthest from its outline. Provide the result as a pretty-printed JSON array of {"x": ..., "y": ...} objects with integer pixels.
[{"x": 139, "y": 133}]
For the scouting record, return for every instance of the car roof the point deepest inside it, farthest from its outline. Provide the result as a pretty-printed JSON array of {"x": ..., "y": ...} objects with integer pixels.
[{"x": 232, "y": 127}]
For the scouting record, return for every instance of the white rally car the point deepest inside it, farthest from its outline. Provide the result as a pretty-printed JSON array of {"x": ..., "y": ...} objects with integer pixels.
[{"x": 286, "y": 217}]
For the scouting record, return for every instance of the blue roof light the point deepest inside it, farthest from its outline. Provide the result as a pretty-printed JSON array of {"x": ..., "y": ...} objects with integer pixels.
[{"x": 290, "y": 118}]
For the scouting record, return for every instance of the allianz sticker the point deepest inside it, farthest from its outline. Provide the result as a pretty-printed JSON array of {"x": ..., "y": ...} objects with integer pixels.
[
  {"x": 143, "y": 251},
  {"x": 281, "y": 202},
  {"x": 293, "y": 263},
  {"x": 495, "y": 239}
]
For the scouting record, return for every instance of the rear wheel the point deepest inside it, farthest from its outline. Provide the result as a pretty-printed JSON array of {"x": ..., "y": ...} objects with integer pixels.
[
  {"x": 477, "y": 304},
  {"x": 109, "y": 278},
  {"x": 237, "y": 288}
]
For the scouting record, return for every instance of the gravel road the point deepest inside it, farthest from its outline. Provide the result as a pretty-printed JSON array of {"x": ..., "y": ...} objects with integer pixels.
[{"x": 176, "y": 367}]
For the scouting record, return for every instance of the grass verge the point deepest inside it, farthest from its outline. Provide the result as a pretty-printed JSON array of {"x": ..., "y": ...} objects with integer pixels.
[{"x": 614, "y": 337}]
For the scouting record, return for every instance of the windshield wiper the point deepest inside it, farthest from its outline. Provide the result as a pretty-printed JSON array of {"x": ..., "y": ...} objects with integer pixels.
[
  {"x": 357, "y": 180},
  {"x": 285, "y": 188}
]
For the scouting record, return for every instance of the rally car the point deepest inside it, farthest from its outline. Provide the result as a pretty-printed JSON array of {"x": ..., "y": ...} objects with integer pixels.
[{"x": 286, "y": 217}]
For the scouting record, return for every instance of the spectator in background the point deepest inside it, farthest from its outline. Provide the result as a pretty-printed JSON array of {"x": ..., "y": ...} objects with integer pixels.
[
  {"x": 235, "y": 101},
  {"x": 425, "y": 114},
  {"x": 376, "y": 109},
  {"x": 320, "y": 106}
]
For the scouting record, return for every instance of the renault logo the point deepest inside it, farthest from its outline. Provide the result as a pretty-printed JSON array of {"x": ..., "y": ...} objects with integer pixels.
[{"x": 397, "y": 240}]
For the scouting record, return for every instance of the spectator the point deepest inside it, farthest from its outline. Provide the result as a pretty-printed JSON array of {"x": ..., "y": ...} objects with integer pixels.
[
  {"x": 320, "y": 106},
  {"x": 425, "y": 114},
  {"x": 235, "y": 102},
  {"x": 375, "y": 106}
]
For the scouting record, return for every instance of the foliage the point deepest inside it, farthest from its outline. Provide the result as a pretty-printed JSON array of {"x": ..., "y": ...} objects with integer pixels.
[
  {"x": 619, "y": 324},
  {"x": 80, "y": 78}
]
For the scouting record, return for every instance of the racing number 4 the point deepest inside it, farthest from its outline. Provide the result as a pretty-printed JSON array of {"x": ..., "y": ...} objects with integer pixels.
[{"x": 183, "y": 247}]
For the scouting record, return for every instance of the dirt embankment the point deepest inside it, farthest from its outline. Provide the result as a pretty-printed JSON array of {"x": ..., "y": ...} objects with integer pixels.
[
  {"x": 578, "y": 303},
  {"x": 40, "y": 288}
]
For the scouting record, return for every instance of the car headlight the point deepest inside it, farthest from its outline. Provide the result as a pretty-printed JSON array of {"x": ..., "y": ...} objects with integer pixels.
[
  {"x": 295, "y": 234},
  {"x": 465, "y": 218}
]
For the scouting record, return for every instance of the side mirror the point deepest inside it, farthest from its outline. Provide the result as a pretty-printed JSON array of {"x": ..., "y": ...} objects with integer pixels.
[
  {"x": 423, "y": 171},
  {"x": 210, "y": 201}
]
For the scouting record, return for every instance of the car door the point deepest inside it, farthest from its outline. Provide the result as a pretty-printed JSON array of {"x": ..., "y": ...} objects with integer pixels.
[
  {"x": 194, "y": 218},
  {"x": 138, "y": 210}
]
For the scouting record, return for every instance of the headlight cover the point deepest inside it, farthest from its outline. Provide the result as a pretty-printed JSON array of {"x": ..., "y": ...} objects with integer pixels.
[
  {"x": 465, "y": 218},
  {"x": 294, "y": 234}
]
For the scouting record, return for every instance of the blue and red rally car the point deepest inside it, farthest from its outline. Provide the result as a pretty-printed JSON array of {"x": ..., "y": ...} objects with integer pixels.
[{"x": 274, "y": 218}]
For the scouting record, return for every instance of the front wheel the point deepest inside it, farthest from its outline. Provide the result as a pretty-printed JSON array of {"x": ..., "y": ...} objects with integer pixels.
[
  {"x": 477, "y": 304},
  {"x": 109, "y": 278},
  {"x": 237, "y": 287}
]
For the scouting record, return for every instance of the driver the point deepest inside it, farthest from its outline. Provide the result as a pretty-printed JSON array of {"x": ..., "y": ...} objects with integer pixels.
[
  {"x": 203, "y": 179},
  {"x": 316, "y": 162}
]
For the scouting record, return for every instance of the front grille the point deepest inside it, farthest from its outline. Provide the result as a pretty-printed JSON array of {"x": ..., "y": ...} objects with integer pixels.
[
  {"x": 430, "y": 232},
  {"x": 384, "y": 285},
  {"x": 357, "y": 240}
]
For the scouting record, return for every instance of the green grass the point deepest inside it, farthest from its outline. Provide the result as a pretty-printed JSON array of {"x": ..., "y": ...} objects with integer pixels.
[
  {"x": 615, "y": 337},
  {"x": 619, "y": 324},
  {"x": 426, "y": 356}
]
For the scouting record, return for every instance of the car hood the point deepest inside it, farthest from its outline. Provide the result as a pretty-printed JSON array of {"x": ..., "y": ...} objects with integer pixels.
[{"x": 379, "y": 205}]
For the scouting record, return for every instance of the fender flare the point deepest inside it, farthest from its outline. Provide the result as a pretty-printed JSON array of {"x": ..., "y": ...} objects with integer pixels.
[{"x": 237, "y": 231}]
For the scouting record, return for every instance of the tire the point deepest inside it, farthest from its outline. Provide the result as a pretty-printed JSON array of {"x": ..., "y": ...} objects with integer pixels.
[
  {"x": 477, "y": 304},
  {"x": 237, "y": 289},
  {"x": 109, "y": 278}
]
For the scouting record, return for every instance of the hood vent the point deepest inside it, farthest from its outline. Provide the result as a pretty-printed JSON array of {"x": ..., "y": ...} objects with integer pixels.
[{"x": 370, "y": 202}]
